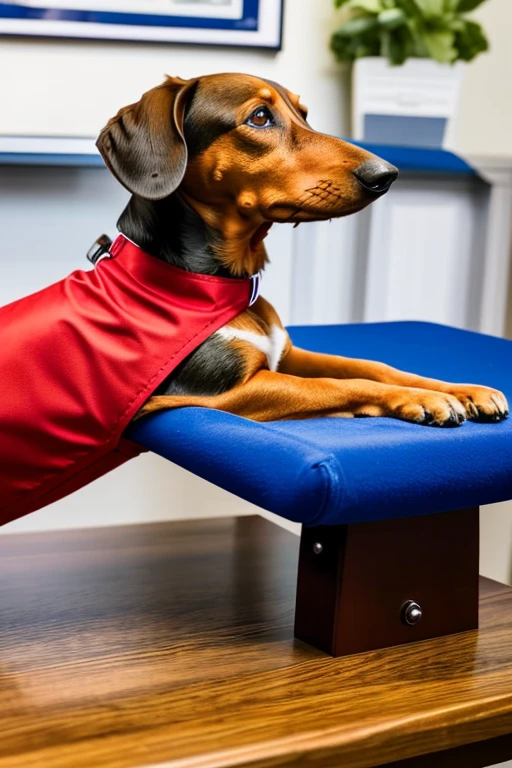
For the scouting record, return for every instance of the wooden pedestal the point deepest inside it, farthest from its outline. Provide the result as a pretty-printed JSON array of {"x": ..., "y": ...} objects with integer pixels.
[{"x": 356, "y": 582}]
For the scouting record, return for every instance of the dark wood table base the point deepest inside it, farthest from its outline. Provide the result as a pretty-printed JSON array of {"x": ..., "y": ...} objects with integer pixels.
[
  {"x": 173, "y": 644},
  {"x": 356, "y": 581}
]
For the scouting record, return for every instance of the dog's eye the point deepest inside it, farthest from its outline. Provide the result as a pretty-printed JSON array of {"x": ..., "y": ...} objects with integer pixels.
[{"x": 260, "y": 118}]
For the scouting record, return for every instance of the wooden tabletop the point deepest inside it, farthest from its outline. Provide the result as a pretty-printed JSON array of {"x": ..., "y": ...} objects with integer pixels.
[{"x": 172, "y": 643}]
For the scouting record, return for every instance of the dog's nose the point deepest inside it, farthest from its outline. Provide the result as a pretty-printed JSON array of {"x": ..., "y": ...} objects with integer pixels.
[{"x": 375, "y": 175}]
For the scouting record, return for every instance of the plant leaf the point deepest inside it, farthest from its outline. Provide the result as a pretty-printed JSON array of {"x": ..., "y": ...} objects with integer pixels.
[
  {"x": 357, "y": 26},
  {"x": 398, "y": 29},
  {"x": 397, "y": 45},
  {"x": 440, "y": 44},
  {"x": 409, "y": 7},
  {"x": 392, "y": 18},
  {"x": 471, "y": 41},
  {"x": 370, "y": 6},
  {"x": 464, "y": 6},
  {"x": 457, "y": 24},
  {"x": 350, "y": 47},
  {"x": 431, "y": 9}
]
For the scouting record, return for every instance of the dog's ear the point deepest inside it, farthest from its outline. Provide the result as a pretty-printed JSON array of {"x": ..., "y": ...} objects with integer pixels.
[{"x": 143, "y": 145}]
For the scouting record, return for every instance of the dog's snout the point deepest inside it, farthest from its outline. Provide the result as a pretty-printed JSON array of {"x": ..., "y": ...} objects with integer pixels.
[{"x": 375, "y": 175}]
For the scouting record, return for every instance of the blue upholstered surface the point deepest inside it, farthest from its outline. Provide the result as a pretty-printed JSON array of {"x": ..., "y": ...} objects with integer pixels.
[
  {"x": 419, "y": 159},
  {"x": 328, "y": 471}
]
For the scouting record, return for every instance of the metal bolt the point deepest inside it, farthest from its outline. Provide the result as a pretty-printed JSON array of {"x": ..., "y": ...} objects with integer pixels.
[
  {"x": 318, "y": 548},
  {"x": 411, "y": 613}
]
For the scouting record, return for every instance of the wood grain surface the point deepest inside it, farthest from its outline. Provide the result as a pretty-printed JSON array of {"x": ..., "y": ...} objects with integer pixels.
[{"x": 172, "y": 644}]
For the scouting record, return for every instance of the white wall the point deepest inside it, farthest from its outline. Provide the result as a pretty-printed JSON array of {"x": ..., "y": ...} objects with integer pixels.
[
  {"x": 72, "y": 88},
  {"x": 484, "y": 120}
]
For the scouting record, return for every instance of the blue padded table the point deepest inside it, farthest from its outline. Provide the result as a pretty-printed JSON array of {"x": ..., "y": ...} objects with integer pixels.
[
  {"x": 334, "y": 471},
  {"x": 390, "y": 542}
]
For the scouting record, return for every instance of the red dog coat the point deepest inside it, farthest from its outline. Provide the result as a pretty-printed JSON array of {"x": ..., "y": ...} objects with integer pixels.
[{"x": 79, "y": 358}]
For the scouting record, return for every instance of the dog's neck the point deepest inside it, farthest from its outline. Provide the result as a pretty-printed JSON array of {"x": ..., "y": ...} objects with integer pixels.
[{"x": 172, "y": 230}]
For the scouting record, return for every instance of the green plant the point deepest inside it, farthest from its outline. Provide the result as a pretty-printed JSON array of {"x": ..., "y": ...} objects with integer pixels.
[{"x": 400, "y": 29}]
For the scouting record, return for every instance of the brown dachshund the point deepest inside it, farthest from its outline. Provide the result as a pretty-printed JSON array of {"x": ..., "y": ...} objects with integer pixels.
[{"x": 212, "y": 163}]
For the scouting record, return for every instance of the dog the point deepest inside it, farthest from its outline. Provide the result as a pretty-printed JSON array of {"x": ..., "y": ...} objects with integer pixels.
[
  {"x": 170, "y": 317},
  {"x": 212, "y": 163}
]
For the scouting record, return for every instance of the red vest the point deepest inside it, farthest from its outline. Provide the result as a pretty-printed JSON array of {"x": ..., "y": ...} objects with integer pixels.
[{"x": 79, "y": 358}]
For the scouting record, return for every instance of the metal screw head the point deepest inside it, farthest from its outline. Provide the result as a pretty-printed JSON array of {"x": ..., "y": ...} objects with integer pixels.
[
  {"x": 411, "y": 613},
  {"x": 318, "y": 548}
]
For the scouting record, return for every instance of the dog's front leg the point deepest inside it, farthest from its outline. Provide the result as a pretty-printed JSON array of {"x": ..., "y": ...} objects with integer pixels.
[
  {"x": 268, "y": 396},
  {"x": 480, "y": 403}
]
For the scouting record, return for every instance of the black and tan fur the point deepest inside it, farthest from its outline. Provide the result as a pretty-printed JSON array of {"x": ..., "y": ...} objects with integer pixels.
[{"x": 212, "y": 163}]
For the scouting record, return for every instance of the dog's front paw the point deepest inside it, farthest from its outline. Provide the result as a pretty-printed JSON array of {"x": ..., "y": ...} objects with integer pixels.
[
  {"x": 437, "y": 409},
  {"x": 481, "y": 403}
]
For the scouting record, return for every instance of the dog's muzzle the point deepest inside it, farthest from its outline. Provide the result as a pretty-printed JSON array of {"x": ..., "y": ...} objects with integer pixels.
[{"x": 376, "y": 176}]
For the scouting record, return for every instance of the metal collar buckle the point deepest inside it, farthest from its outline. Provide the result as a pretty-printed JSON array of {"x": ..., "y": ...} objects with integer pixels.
[
  {"x": 255, "y": 291},
  {"x": 99, "y": 250}
]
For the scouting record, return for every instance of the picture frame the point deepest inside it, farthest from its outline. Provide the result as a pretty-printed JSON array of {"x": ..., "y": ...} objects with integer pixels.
[{"x": 241, "y": 23}]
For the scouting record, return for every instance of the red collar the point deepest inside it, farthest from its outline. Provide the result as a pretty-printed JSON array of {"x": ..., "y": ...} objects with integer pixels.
[{"x": 155, "y": 273}]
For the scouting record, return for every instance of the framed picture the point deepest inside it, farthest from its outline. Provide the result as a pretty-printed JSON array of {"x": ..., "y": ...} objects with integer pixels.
[{"x": 254, "y": 23}]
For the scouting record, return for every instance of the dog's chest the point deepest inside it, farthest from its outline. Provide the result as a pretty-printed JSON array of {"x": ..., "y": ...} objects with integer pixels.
[{"x": 271, "y": 344}]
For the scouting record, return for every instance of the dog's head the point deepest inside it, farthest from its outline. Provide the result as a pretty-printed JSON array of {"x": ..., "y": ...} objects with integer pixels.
[{"x": 243, "y": 143}]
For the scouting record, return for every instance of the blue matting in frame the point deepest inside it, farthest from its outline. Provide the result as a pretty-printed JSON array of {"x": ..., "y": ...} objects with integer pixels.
[{"x": 249, "y": 20}]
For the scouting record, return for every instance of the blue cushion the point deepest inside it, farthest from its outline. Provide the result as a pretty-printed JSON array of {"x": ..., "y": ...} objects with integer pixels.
[{"x": 330, "y": 471}]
